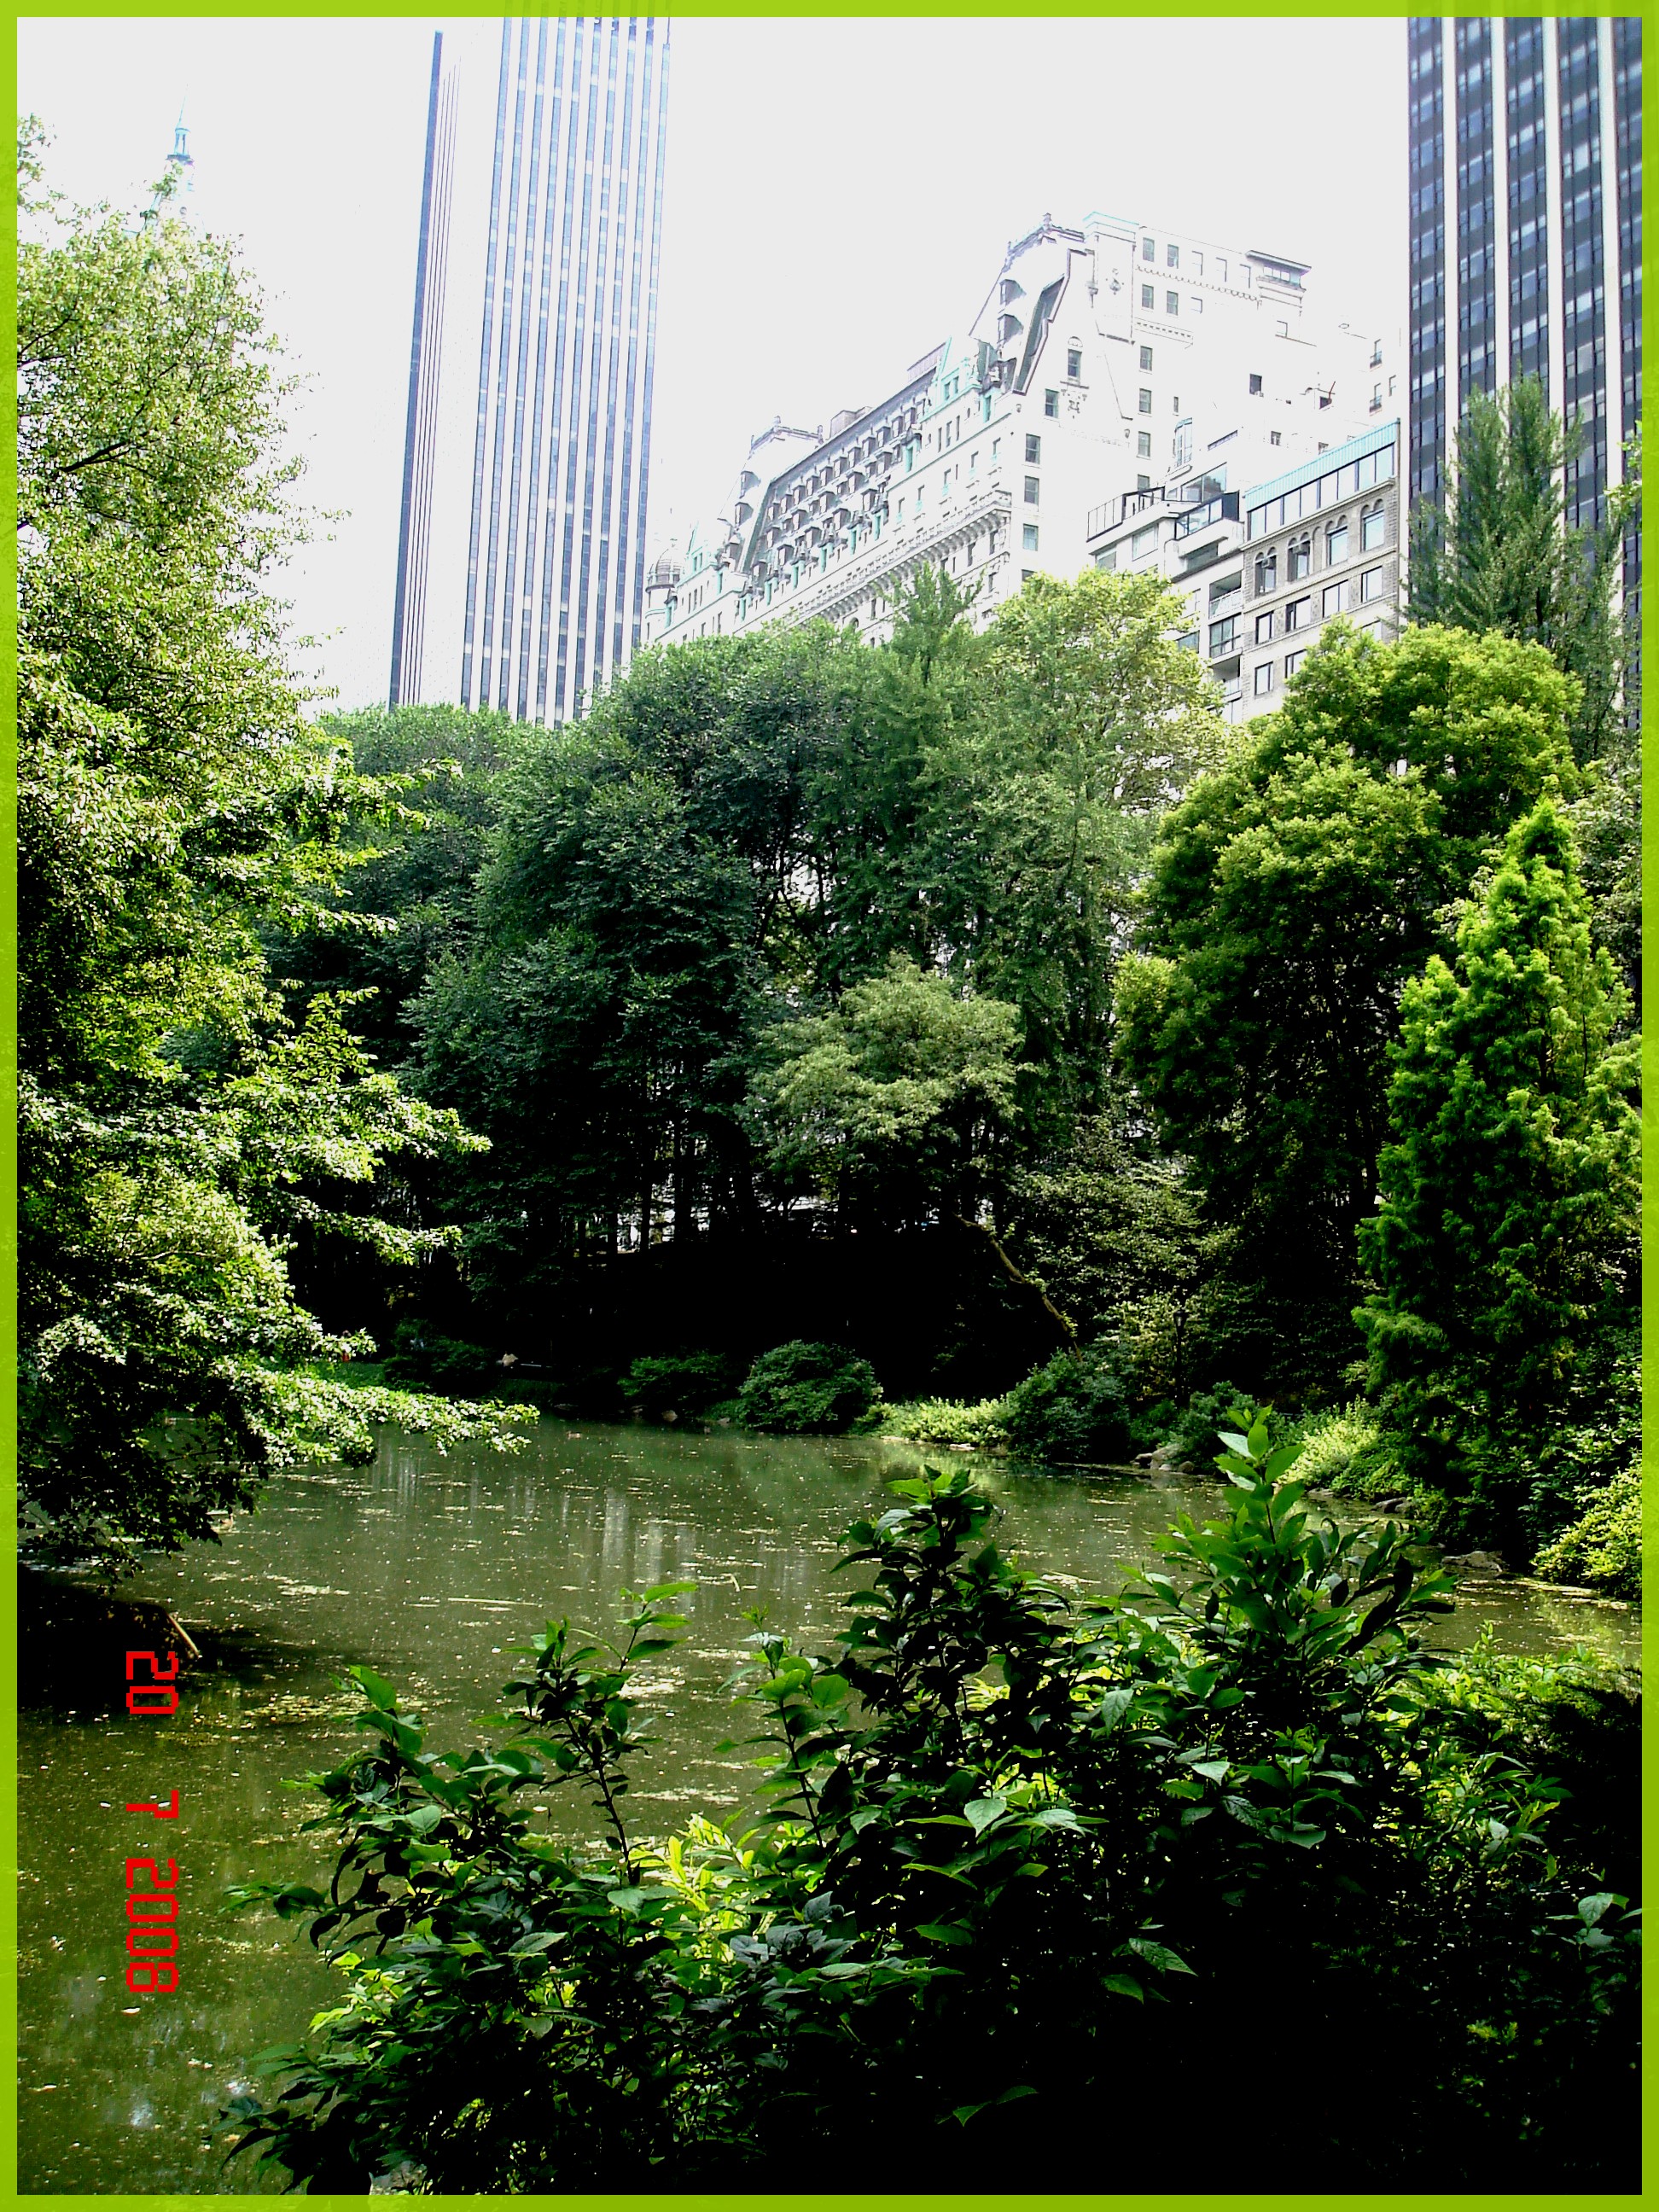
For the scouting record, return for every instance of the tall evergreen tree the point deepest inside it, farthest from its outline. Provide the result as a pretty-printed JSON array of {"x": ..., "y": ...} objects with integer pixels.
[
  {"x": 1503, "y": 555},
  {"x": 1504, "y": 1242}
]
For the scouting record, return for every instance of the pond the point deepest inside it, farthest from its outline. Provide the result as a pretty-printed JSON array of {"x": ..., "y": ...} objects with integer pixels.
[{"x": 430, "y": 1569}]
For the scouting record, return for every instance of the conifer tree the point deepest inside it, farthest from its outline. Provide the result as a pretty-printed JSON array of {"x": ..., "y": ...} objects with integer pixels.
[{"x": 1503, "y": 1243}]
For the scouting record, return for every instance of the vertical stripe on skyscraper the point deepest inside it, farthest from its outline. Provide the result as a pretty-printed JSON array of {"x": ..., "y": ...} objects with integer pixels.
[
  {"x": 425, "y": 361},
  {"x": 484, "y": 350},
  {"x": 1583, "y": 393},
  {"x": 1427, "y": 361},
  {"x": 1478, "y": 368}
]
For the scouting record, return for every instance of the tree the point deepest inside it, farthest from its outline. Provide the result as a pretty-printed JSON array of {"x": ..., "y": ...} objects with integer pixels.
[
  {"x": 1292, "y": 894},
  {"x": 1504, "y": 1242},
  {"x": 894, "y": 1100},
  {"x": 1503, "y": 555},
  {"x": 181, "y": 1126}
]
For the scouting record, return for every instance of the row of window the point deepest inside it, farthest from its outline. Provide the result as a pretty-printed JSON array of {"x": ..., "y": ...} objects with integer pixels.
[
  {"x": 1335, "y": 599},
  {"x": 1194, "y": 263},
  {"x": 1171, "y": 301},
  {"x": 1325, "y": 491},
  {"x": 1298, "y": 553}
]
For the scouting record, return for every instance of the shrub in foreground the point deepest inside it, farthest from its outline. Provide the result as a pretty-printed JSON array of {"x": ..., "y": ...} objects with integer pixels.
[
  {"x": 1011, "y": 1849},
  {"x": 802, "y": 1389}
]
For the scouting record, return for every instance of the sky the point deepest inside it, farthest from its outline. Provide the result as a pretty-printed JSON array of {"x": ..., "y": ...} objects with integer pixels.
[{"x": 839, "y": 194}]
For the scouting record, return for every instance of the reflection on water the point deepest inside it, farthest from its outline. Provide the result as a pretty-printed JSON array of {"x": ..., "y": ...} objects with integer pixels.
[{"x": 431, "y": 1569}]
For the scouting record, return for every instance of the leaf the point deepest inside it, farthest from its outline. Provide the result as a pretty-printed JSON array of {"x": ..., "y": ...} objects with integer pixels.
[
  {"x": 1124, "y": 1985},
  {"x": 379, "y": 1691},
  {"x": 983, "y": 1812},
  {"x": 945, "y": 1932},
  {"x": 660, "y": 1590}
]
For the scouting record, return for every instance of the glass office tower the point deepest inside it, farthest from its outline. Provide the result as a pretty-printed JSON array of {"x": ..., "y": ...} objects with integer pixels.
[
  {"x": 556, "y": 553},
  {"x": 521, "y": 545},
  {"x": 1526, "y": 232}
]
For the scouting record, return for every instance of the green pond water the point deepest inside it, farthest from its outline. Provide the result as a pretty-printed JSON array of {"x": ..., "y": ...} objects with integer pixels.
[{"x": 429, "y": 1569}]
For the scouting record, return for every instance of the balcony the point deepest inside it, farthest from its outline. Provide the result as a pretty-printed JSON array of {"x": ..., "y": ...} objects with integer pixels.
[{"x": 1222, "y": 507}]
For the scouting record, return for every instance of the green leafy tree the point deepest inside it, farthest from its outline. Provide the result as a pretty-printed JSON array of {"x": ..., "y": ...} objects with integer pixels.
[
  {"x": 894, "y": 1101},
  {"x": 1505, "y": 1242},
  {"x": 182, "y": 1128},
  {"x": 1292, "y": 895}
]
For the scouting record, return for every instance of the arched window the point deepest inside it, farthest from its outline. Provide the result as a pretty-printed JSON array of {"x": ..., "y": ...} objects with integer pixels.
[
  {"x": 1336, "y": 541},
  {"x": 1267, "y": 573},
  {"x": 1373, "y": 528},
  {"x": 1298, "y": 557}
]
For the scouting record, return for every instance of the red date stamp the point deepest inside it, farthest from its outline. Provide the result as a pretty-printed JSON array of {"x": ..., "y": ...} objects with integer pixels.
[{"x": 152, "y": 1902}]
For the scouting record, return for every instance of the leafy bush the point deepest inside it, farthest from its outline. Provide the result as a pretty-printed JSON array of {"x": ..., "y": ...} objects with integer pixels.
[
  {"x": 802, "y": 1389},
  {"x": 1075, "y": 1411},
  {"x": 1343, "y": 1448},
  {"x": 1246, "y": 1793},
  {"x": 1197, "y": 1433},
  {"x": 949, "y": 1421},
  {"x": 684, "y": 1382},
  {"x": 1602, "y": 1547}
]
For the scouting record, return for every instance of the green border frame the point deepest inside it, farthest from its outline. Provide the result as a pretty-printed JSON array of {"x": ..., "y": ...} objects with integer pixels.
[{"x": 668, "y": 2200}]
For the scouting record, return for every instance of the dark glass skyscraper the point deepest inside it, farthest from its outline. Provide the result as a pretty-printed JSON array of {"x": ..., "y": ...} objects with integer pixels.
[
  {"x": 1526, "y": 232},
  {"x": 555, "y": 555}
]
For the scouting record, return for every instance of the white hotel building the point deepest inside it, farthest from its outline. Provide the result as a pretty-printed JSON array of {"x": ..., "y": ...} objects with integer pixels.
[{"x": 1107, "y": 361}]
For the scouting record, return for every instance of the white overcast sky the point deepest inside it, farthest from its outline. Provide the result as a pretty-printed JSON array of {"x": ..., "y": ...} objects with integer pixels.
[{"x": 839, "y": 194}]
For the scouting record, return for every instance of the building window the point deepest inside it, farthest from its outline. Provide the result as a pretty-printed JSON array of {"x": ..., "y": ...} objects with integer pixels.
[
  {"x": 1029, "y": 537},
  {"x": 1275, "y": 437},
  {"x": 1108, "y": 559},
  {"x": 1145, "y": 401},
  {"x": 1292, "y": 662},
  {"x": 1333, "y": 602},
  {"x": 1336, "y": 544},
  {"x": 1146, "y": 357},
  {"x": 1033, "y": 491},
  {"x": 1224, "y": 636},
  {"x": 1299, "y": 559},
  {"x": 1376, "y": 400},
  {"x": 1172, "y": 255},
  {"x": 1148, "y": 250},
  {"x": 1144, "y": 445},
  {"x": 1026, "y": 574},
  {"x": 1267, "y": 573},
  {"x": 1377, "y": 353},
  {"x": 1372, "y": 527},
  {"x": 1264, "y": 677},
  {"x": 1148, "y": 296},
  {"x": 1144, "y": 541},
  {"x": 1298, "y": 615},
  {"x": 1188, "y": 641},
  {"x": 1370, "y": 583},
  {"x": 1051, "y": 404},
  {"x": 1033, "y": 447},
  {"x": 1074, "y": 362},
  {"x": 1264, "y": 628},
  {"x": 1172, "y": 303},
  {"x": 1143, "y": 483},
  {"x": 1255, "y": 387},
  {"x": 996, "y": 447}
]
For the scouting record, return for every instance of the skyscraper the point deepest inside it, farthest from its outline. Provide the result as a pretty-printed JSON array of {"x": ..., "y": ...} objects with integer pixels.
[
  {"x": 425, "y": 363},
  {"x": 536, "y": 578},
  {"x": 1526, "y": 232}
]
